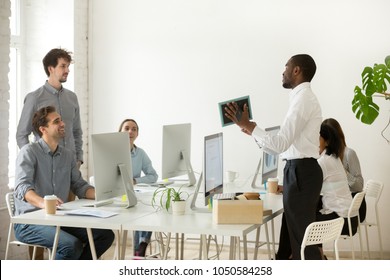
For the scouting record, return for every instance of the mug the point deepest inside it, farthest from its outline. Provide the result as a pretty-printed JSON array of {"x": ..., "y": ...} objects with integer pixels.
[{"x": 231, "y": 176}]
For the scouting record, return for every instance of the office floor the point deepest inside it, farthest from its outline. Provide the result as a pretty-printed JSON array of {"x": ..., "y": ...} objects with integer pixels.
[{"x": 191, "y": 251}]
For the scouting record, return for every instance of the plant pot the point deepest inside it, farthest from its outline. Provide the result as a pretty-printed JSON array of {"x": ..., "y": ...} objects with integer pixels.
[{"x": 179, "y": 207}]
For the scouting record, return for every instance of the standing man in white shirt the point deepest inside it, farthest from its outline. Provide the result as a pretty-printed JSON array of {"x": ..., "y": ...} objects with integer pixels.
[{"x": 298, "y": 143}]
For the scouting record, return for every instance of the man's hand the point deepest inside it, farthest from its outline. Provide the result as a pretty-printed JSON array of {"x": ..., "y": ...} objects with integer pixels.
[
  {"x": 90, "y": 193},
  {"x": 244, "y": 123}
]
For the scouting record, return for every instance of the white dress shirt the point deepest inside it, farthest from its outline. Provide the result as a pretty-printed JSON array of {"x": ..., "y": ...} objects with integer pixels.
[{"x": 299, "y": 134}]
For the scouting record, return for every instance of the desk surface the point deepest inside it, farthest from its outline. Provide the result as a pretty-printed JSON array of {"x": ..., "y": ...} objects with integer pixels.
[
  {"x": 199, "y": 222},
  {"x": 146, "y": 218},
  {"x": 60, "y": 219}
]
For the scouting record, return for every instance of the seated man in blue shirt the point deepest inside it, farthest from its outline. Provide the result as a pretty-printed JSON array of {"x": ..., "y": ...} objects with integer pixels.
[{"x": 46, "y": 168}]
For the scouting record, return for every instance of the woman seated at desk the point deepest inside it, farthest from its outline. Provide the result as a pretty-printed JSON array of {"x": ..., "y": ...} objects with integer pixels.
[
  {"x": 141, "y": 163},
  {"x": 336, "y": 196}
]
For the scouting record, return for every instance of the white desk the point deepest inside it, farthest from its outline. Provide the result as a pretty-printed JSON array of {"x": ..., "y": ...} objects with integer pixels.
[
  {"x": 143, "y": 217},
  {"x": 201, "y": 223},
  {"x": 114, "y": 223}
]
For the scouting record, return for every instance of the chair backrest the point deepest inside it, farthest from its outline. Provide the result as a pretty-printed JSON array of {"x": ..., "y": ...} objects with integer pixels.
[
  {"x": 9, "y": 199},
  {"x": 373, "y": 189},
  {"x": 322, "y": 232},
  {"x": 355, "y": 205}
]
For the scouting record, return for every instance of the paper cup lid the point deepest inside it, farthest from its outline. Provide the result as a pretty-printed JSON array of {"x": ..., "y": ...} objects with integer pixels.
[
  {"x": 273, "y": 179},
  {"x": 50, "y": 197}
]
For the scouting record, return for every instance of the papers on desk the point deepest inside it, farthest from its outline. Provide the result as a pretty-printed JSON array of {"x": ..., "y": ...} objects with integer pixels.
[{"x": 91, "y": 212}]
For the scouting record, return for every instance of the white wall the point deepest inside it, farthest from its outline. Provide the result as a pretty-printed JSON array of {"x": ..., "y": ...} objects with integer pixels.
[{"x": 165, "y": 62}]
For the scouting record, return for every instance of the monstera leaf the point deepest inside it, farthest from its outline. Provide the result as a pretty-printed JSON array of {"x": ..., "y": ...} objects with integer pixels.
[{"x": 374, "y": 80}]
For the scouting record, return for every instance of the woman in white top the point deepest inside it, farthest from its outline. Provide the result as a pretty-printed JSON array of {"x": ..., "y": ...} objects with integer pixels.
[
  {"x": 336, "y": 196},
  {"x": 351, "y": 165}
]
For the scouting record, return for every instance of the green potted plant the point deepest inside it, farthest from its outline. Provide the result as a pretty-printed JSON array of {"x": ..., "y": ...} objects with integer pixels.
[
  {"x": 375, "y": 79},
  {"x": 167, "y": 197}
]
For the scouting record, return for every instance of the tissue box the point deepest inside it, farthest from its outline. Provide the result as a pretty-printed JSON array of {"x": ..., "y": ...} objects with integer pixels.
[{"x": 238, "y": 211}]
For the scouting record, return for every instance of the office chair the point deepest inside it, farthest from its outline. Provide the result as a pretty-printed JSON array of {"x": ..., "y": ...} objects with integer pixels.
[
  {"x": 353, "y": 212},
  {"x": 323, "y": 232},
  {"x": 9, "y": 198},
  {"x": 373, "y": 190}
]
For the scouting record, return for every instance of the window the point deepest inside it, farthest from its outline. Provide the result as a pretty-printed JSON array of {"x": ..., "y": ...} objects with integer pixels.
[{"x": 14, "y": 83}]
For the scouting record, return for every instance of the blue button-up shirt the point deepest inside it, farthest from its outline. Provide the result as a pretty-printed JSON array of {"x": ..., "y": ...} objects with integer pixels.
[{"x": 46, "y": 172}]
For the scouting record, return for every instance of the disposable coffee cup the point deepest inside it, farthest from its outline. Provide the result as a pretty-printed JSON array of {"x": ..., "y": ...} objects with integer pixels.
[
  {"x": 50, "y": 204},
  {"x": 272, "y": 185}
]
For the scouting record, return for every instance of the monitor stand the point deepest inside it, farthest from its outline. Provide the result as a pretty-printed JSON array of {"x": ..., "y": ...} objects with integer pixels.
[
  {"x": 190, "y": 171},
  {"x": 194, "y": 198},
  {"x": 254, "y": 186},
  {"x": 128, "y": 186}
]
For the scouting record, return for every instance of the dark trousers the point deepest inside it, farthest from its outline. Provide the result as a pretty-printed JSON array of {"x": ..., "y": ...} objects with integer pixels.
[
  {"x": 301, "y": 192},
  {"x": 333, "y": 215},
  {"x": 362, "y": 209}
]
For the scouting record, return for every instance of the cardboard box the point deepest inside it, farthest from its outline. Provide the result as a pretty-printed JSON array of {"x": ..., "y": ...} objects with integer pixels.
[{"x": 238, "y": 211}]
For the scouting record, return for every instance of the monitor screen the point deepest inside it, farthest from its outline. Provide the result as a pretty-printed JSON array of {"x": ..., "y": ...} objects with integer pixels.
[
  {"x": 113, "y": 174},
  {"x": 176, "y": 152},
  {"x": 268, "y": 162},
  {"x": 213, "y": 165}
]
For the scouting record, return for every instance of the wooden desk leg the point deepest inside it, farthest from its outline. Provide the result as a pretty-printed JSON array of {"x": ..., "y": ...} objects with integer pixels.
[
  {"x": 267, "y": 239},
  {"x": 177, "y": 246},
  {"x": 182, "y": 247},
  {"x": 257, "y": 242},
  {"x": 273, "y": 238},
  {"x": 232, "y": 247},
  {"x": 245, "y": 245},
  {"x": 200, "y": 247},
  {"x": 204, "y": 246},
  {"x": 122, "y": 244},
  {"x": 91, "y": 243},
  {"x": 55, "y": 243}
]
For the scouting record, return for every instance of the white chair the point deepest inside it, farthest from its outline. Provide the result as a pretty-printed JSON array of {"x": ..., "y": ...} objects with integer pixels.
[
  {"x": 9, "y": 198},
  {"x": 353, "y": 212},
  {"x": 373, "y": 190},
  {"x": 323, "y": 232}
]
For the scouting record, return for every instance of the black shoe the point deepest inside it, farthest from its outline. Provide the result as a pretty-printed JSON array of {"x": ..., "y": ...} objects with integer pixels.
[{"x": 142, "y": 249}]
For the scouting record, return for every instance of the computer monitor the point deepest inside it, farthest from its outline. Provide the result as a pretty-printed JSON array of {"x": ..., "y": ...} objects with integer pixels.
[
  {"x": 213, "y": 171},
  {"x": 270, "y": 162},
  {"x": 176, "y": 152},
  {"x": 113, "y": 175},
  {"x": 213, "y": 166}
]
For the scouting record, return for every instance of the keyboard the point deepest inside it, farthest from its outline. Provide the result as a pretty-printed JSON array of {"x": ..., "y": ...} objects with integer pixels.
[
  {"x": 224, "y": 196},
  {"x": 99, "y": 203},
  {"x": 162, "y": 183}
]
